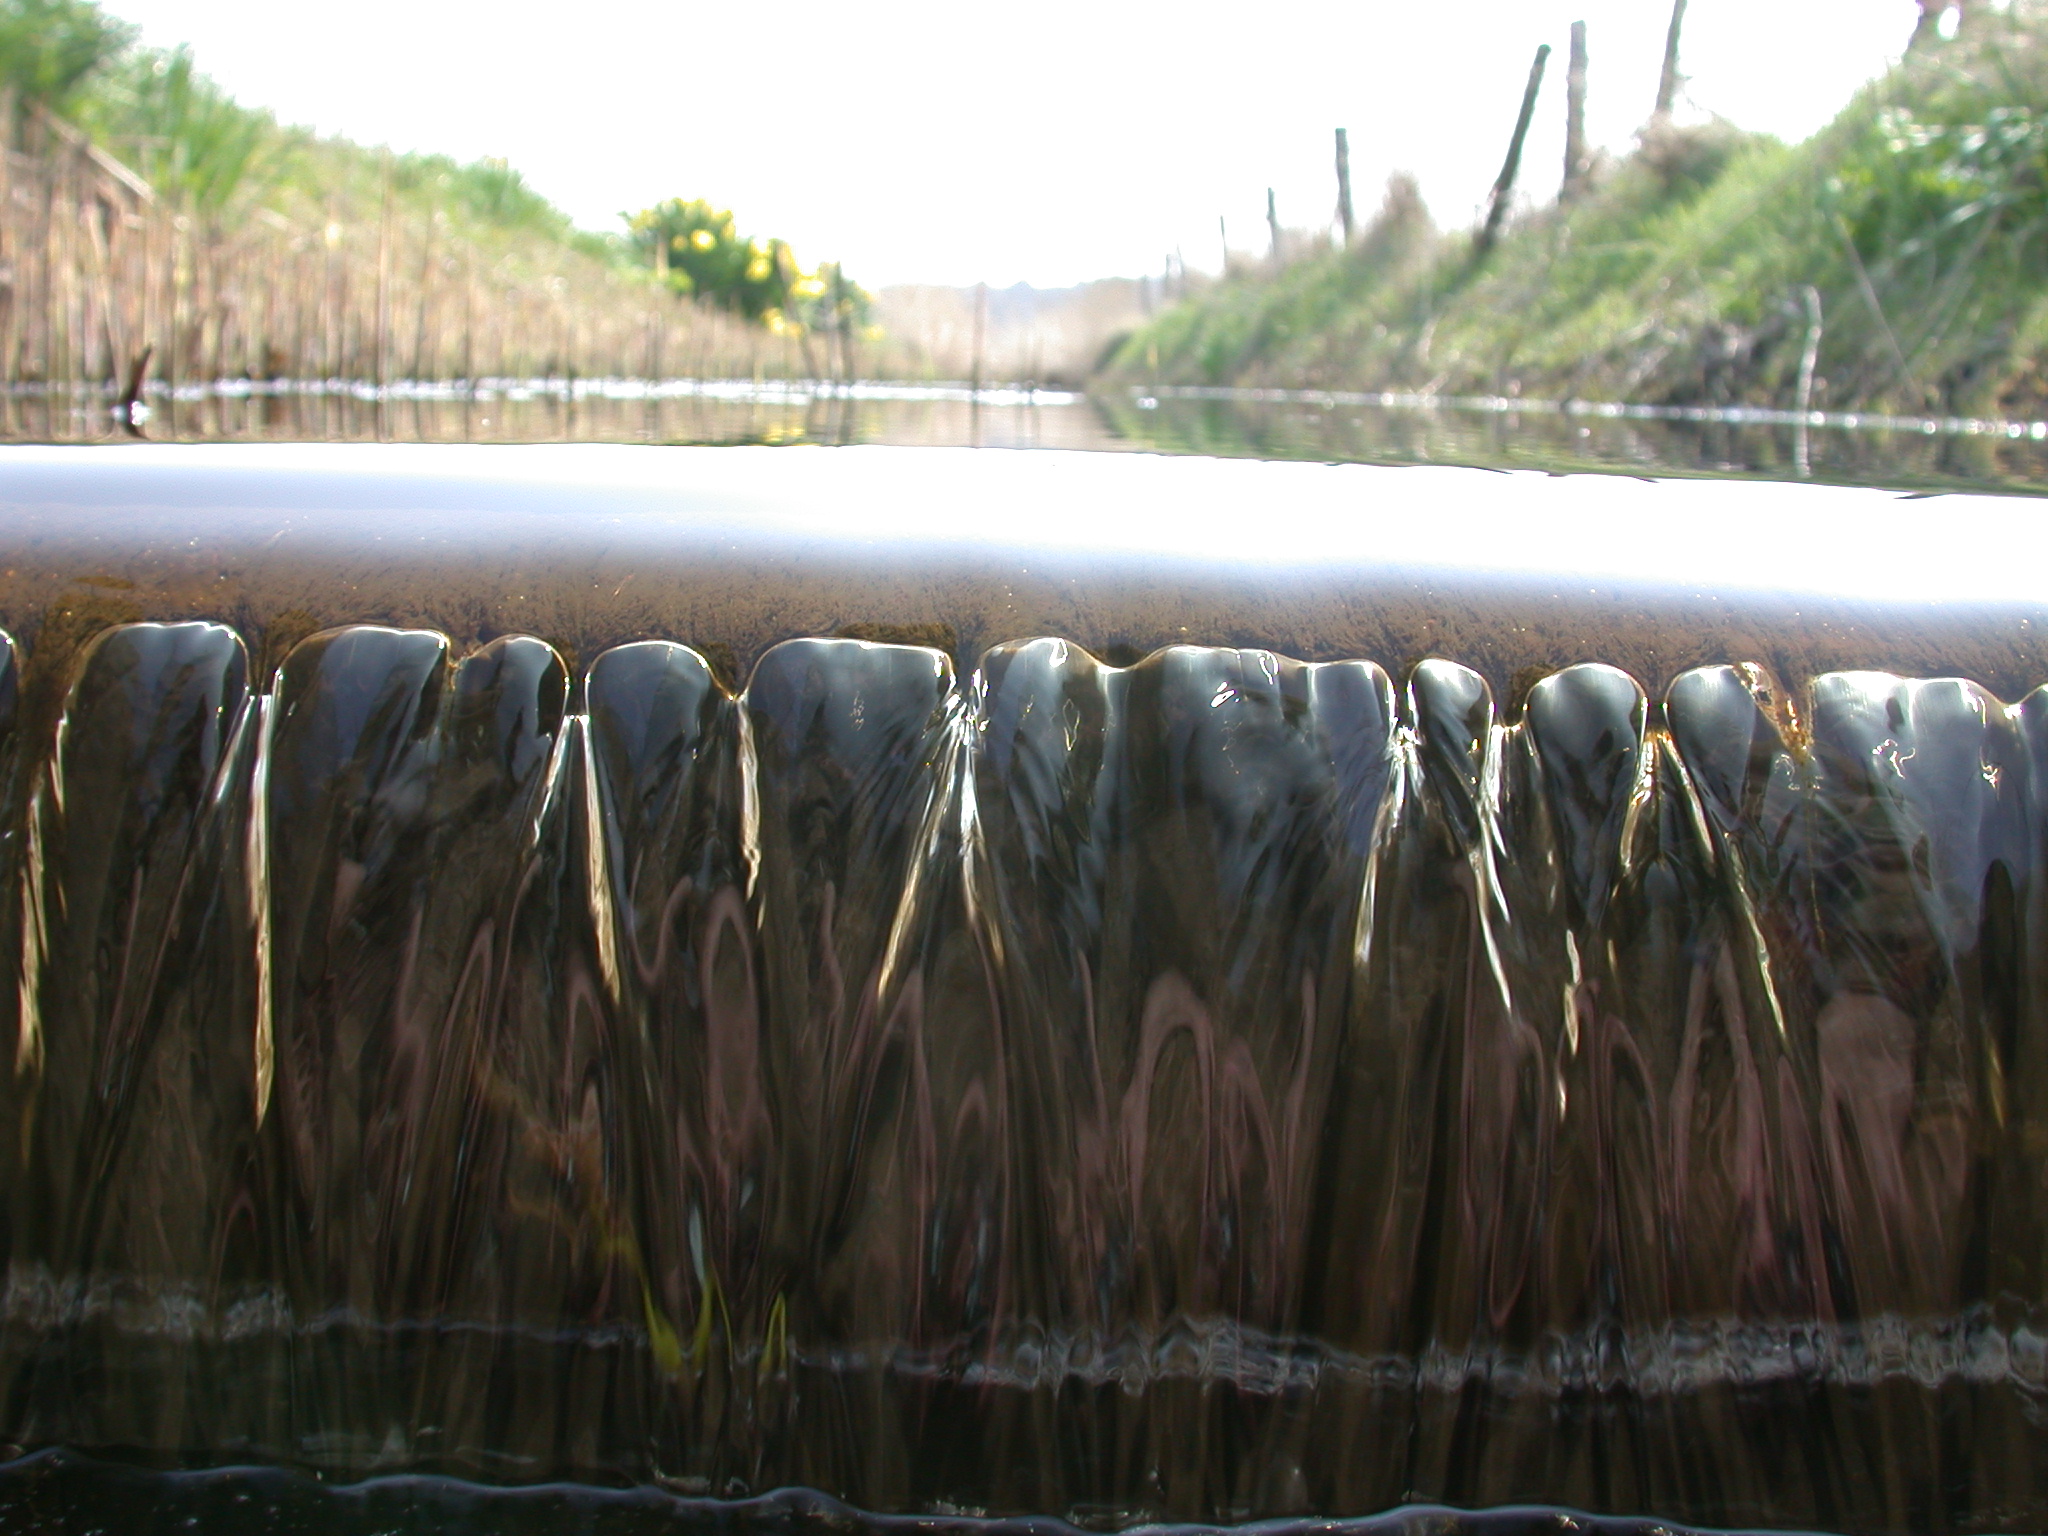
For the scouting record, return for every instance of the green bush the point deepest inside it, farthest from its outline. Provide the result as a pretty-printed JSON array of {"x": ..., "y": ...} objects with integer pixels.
[{"x": 698, "y": 250}]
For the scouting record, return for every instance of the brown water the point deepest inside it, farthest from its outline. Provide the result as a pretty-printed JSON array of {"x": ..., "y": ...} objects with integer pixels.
[
  {"x": 1218, "y": 1087},
  {"x": 1211, "y": 1089}
]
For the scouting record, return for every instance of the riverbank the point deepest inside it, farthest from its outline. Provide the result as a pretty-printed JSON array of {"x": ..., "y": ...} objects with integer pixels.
[{"x": 1896, "y": 261}]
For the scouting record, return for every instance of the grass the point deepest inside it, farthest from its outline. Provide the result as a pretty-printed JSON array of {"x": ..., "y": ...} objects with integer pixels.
[{"x": 1919, "y": 218}]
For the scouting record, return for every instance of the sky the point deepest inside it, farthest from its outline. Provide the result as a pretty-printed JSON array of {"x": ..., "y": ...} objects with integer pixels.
[{"x": 1050, "y": 143}]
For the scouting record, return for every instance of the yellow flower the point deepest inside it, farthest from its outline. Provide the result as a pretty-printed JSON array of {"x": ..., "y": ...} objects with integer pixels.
[
  {"x": 758, "y": 270},
  {"x": 703, "y": 239},
  {"x": 810, "y": 287}
]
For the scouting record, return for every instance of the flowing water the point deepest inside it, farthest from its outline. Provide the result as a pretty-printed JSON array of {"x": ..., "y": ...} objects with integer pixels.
[
  {"x": 454, "y": 1080},
  {"x": 1215, "y": 1088}
]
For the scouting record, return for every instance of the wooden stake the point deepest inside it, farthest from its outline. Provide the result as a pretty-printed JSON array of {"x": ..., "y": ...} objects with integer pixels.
[
  {"x": 1576, "y": 163},
  {"x": 1808, "y": 356},
  {"x": 1273, "y": 225},
  {"x": 980, "y": 326},
  {"x": 1669, "y": 80},
  {"x": 131, "y": 397},
  {"x": 382, "y": 319},
  {"x": 1344, "y": 184},
  {"x": 1504, "y": 186}
]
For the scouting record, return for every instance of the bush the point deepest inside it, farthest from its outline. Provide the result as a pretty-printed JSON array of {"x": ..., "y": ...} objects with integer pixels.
[{"x": 698, "y": 249}]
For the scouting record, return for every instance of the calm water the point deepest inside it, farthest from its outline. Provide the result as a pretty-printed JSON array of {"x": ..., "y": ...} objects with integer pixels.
[{"x": 1930, "y": 453}]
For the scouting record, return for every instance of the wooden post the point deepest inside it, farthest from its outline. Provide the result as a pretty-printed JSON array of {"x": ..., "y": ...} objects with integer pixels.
[
  {"x": 980, "y": 326},
  {"x": 1273, "y": 225},
  {"x": 1809, "y": 355},
  {"x": 469, "y": 320},
  {"x": 1576, "y": 163},
  {"x": 1504, "y": 187},
  {"x": 1670, "y": 79},
  {"x": 382, "y": 319},
  {"x": 1223, "y": 238},
  {"x": 1344, "y": 184}
]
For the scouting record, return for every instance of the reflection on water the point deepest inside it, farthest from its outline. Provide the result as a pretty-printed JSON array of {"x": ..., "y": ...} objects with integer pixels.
[
  {"x": 1907, "y": 452},
  {"x": 1217, "y": 1087},
  {"x": 572, "y": 410},
  {"x": 1847, "y": 449}
]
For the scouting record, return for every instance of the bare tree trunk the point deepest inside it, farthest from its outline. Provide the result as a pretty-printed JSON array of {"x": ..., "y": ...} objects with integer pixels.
[
  {"x": 1273, "y": 225},
  {"x": 1344, "y": 220},
  {"x": 1576, "y": 163},
  {"x": 1670, "y": 79},
  {"x": 1504, "y": 187}
]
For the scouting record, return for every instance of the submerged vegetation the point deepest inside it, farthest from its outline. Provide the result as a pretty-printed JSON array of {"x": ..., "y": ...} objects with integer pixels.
[{"x": 1897, "y": 260}]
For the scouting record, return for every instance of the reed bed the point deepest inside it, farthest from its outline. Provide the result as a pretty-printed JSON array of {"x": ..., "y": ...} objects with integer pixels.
[{"x": 104, "y": 284}]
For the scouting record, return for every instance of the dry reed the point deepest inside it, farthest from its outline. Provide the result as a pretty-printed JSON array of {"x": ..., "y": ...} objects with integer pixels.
[{"x": 95, "y": 268}]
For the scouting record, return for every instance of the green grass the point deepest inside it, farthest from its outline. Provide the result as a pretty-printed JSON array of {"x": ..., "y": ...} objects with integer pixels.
[{"x": 1919, "y": 217}]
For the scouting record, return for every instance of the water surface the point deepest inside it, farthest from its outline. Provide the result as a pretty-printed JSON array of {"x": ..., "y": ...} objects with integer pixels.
[
  {"x": 706, "y": 971},
  {"x": 1932, "y": 453}
]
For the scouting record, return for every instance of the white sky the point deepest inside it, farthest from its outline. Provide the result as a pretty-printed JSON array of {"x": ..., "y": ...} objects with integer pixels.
[{"x": 920, "y": 141}]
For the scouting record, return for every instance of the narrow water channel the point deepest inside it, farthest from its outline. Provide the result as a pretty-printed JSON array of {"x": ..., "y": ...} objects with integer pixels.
[{"x": 1922, "y": 453}]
